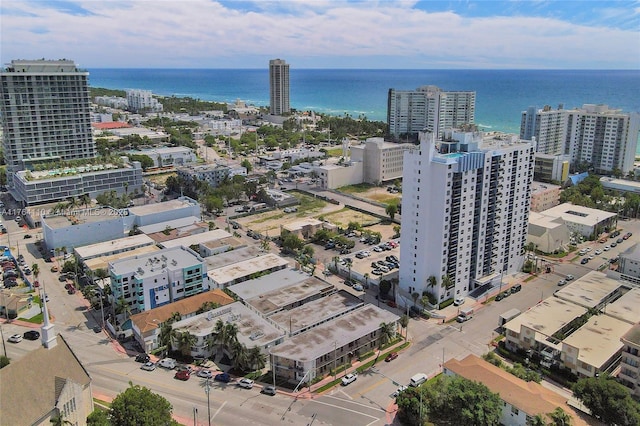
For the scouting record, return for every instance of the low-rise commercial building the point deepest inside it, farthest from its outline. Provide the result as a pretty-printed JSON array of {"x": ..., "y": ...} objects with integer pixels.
[
  {"x": 150, "y": 214},
  {"x": 584, "y": 221},
  {"x": 253, "y": 330},
  {"x": 149, "y": 281},
  {"x": 168, "y": 156},
  {"x": 332, "y": 176},
  {"x": 146, "y": 325},
  {"x": 547, "y": 233},
  {"x": 226, "y": 276},
  {"x": 116, "y": 246},
  {"x": 334, "y": 343},
  {"x": 196, "y": 239},
  {"x": 305, "y": 228},
  {"x": 544, "y": 196},
  {"x": 213, "y": 174}
]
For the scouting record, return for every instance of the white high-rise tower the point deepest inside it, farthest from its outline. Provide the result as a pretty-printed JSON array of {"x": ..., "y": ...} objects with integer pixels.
[
  {"x": 465, "y": 210},
  {"x": 279, "y": 87}
]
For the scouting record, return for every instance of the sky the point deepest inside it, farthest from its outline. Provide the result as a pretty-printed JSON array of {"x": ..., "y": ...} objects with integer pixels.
[{"x": 404, "y": 34}]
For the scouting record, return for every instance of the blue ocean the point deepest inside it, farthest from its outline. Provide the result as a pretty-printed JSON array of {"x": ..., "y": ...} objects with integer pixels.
[{"x": 501, "y": 95}]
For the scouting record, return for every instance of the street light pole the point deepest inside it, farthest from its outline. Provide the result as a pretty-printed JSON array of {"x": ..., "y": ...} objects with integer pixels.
[
  {"x": 335, "y": 350},
  {"x": 207, "y": 390}
]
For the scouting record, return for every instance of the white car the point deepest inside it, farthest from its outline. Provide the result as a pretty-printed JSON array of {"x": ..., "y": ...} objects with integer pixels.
[
  {"x": 597, "y": 252},
  {"x": 245, "y": 383},
  {"x": 68, "y": 256},
  {"x": 358, "y": 287},
  {"x": 148, "y": 366},
  {"x": 607, "y": 248},
  {"x": 459, "y": 301},
  {"x": 349, "y": 378},
  {"x": 205, "y": 374},
  {"x": 400, "y": 389},
  {"x": 16, "y": 338}
]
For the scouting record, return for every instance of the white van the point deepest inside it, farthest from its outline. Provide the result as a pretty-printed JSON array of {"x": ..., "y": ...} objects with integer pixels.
[
  {"x": 418, "y": 379},
  {"x": 168, "y": 363}
]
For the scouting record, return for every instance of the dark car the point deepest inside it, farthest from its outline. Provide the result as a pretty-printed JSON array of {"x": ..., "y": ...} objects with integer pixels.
[
  {"x": 584, "y": 261},
  {"x": 27, "y": 236},
  {"x": 269, "y": 390},
  {"x": 391, "y": 356},
  {"x": 143, "y": 358},
  {"x": 31, "y": 335},
  {"x": 499, "y": 297},
  {"x": 222, "y": 377},
  {"x": 516, "y": 288},
  {"x": 620, "y": 240},
  {"x": 98, "y": 329}
]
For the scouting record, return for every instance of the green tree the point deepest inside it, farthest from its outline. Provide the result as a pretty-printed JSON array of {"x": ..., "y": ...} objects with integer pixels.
[
  {"x": 165, "y": 329},
  {"x": 291, "y": 243},
  {"x": 385, "y": 286},
  {"x": 184, "y": 340},
  {"x": 387, "y": 333},
  {"x": 559, "y": 418},
  {"x": 138, "y": 406},
  {"x": 256, "y": 360},
  {"x": 608, "y": 400},
  {"x": 98, "y": 417},
  {"x": 391, "y": 210},
  {"x": 247, "y": 165},
  {"x": 404, "y": 322},
  {"x": 537, "y": 420}
]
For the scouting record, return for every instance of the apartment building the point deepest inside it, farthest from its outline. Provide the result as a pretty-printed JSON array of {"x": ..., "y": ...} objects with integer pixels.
[
  {"x": 597, "y": 135},
  {"x": 142, "y": 100},
  {"x": 382, "y": 160},
  {"x": 213, "y": 174},
  {"x": 465, "y": 210},
  {"x": 156, "y": 279},
  {"x": 430, "y": 108},
  {"x": 629, "y": 374},
  {"x": 279, "y": 87},
  {"x": 45, "y": 113},
  {"x": 544, "y": 196}
]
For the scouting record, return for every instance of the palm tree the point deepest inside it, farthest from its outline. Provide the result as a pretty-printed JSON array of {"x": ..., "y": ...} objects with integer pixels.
[
  {"x": 85, "y": 199},
  {"x": 538, "y": 420},
  {"x": 432, "y": 281},
  {"x": 101, "y": 274},
  {"x": 366, "y": 280},
  {"x": 184, "y": 341},
  {"x": 231, "y": 333},
  {"x": 415, "y": 296},
  {"x": 335, "y": 260},
  {"x": 240, "y": 356},
  {"x": 404, "y": 322},
  {"x": 386, "y": 333},
  {"x": 256, "y": 359},
  {"x": 36, "y": 270},
  {"x": 559, "y": 417},
  {"x": 446, "y": 281}
]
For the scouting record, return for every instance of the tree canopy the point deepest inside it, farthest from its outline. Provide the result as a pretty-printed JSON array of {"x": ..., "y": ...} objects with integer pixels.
[
  {"x": 138, "y": 406},
  {"x": 608, "y": 400}
]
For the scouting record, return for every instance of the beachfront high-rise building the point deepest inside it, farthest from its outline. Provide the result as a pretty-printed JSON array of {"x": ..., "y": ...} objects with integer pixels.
[
  {"x": 465, "y": 210},
  {"x": 45, "y": 113},
  {"x": 597, "y": 136},
  {"x": 142, "y": 100},
  {"x": 430, "y": 108},
  {"x": 279, "y": 87}
]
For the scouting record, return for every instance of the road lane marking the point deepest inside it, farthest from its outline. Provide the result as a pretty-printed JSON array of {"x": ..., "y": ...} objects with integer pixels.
[
  {"x": 350, "y": 402},
  {"x": 373, "y": 386},
  {"x": 218, "y": 410},
  {"x": 345, "y": 409}
]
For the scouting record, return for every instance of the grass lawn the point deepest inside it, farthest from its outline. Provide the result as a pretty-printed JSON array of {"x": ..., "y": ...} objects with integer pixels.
[
  {"x": 384, "y": 198},
  {"x": 344, "y": 216},
  {"x": 308, "y": 204},
  {"x": 35, "y": 320},
  {"x": 334, "y": 152},
  {"x": 355, "y": 189},
  {"x": 159, "y": 179}
]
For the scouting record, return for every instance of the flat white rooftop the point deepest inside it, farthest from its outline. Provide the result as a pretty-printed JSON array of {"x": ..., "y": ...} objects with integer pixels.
[
  {"x": 598, "y": 340},
  {"x": 102, "y": 262},
  {"x": 119, "y": 245},
  {"x": 253, "y": 330},
  {"x": 82, "y": 216},
  {"x": 230, "y": 273},
  {"x": 231, "y": 257},
  {"x": 216, "y": 234},
  {"x": 274, "y": 281},
  {"x": 173, "y": 259},
  {"x": 338, "y": 332},
  {"x": 173, "y": 224},
  {"x": 148, "y": 209},
  {"x": 316, "y": 311},
  {"x": 578, "y": 214},
  {"x": 626, "y": 308},
  {"x": 547, "y": 317},
  {"x": 299, "y": 224},
  {"x": 277, "y": 300},
  {"x": 589, "y": 291}
]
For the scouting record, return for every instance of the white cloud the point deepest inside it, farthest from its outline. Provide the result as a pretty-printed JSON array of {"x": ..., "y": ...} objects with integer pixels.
[{"x": 195, "y": 33}]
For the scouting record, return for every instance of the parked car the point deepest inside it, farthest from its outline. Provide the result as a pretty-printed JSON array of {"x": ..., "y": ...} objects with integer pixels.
[
  {"x": 269, "y": 390},
  {"x": 31, "y": 335},
  {"x": 391, "y": 356},
  {"x": 349, "y": 378},
  {"x": 16, "y": 338},
  {"x": 614, "y": 244},
  {"x": 205, "y": 374},
  {"x": 148, "y": 366},
  {"x": 182, "y": 375},
  {"x": 499, "y": 297},
  {"x": 627, "y": 236},
  {"x": 561, "y": 283},
  {"x": 168, "y": 363},
  {"x": 222, "y": 377},
  {"x": 245, "y": 383},
  {"x": 358, "y": 287},
  {"x": 584, "y": 261},
  {"x": 399, "y": 390},
  {"x": 459, "y": 301},
  {"x": 143, "y": 358},
  {"x": 516, "y": 288},
  {"x": 569, "y": 277}
]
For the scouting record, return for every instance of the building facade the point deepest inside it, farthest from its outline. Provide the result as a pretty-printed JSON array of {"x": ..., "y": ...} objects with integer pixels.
[
  {"x": 279, "y": 87},
  {"x": 465, "y": 210},
  {"x": 597, "y": 135},
  {"x": 382, "y": 160},
  {"x": 142, "y": 100},
  {"x": 213, "y": 174},
  {"x": 629, "y": 374},
  {"x": 149, "y": 281},
  {"x": 430, "y": 108},
  {"x": 46, "y": 114}
]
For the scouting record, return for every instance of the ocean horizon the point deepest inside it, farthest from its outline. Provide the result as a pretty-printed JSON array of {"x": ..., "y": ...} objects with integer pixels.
[{"x": 501, "y": 95}]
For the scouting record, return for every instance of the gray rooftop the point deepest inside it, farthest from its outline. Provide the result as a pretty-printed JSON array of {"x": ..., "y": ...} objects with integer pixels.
[
  {"x": 598, "y": 340},
  {"x": 632, "y": 253},
  {"x": 173, "y": 224},
  {"x": 589, "y": 291},
  {"x": 82, "y": 216},
  {"x": 276, "y": 300},
  {"x": 275, "y": 281},
  {"x": 546, "y": 317},
  {"x": 339, "y": 332},
  {"x": 229, "y": 273},
  {"x": 231, "y": 257},
  {"x": 119, "y": 245},
  {"x": 202, "y": 237},
  {"x": 253, "y": 330},
  {"x": 316, "y": 312},
  {"x": 153, "y": 208}
]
